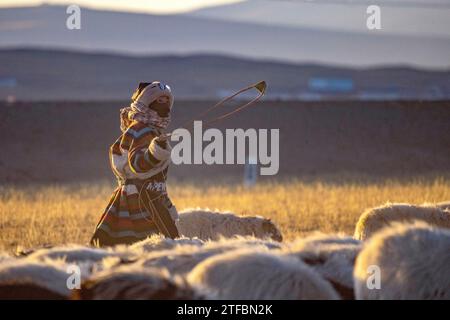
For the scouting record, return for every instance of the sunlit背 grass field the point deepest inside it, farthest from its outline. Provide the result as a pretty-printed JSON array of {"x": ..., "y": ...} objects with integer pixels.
[{"x": 57, "y": 214}]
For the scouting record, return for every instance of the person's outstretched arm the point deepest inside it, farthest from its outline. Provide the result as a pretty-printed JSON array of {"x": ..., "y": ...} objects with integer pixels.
[{"x": 144, "y": 150}]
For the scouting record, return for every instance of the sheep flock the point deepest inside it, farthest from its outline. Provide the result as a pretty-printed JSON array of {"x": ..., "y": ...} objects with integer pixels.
[{"x": 398, "y": 251}]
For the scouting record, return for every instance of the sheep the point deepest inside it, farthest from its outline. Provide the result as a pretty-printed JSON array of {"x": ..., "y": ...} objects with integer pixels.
[
  {"x": 132, "y": 283},
  {"x": 332, "y": 256},
  {"x": 5, "y": 257},
  {"x": 238, "y": 241},
  {"x": 183, "y": 259},
  {"x": 374, "y": 219},
  {"x": 251, "y": 274},
  {"x": 413, "y": 262},
  {"x": 159, "y": 242},
  {"x": 445, "y": 205},
  {"x": 21, "y": 252},
  {"x": 73, "y": 253},
  {"x": 210, "y": 225},
  {"x": 88, "y": 259},
  {"x": 24, "y": 279}
]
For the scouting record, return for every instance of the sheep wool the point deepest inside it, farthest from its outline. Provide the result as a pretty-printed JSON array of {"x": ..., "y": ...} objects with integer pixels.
[
  {"x": 159, "y": 242},
  {"x": 182, "y": 259},
  {"x": 128, "y": 283},
  {"x": 211, "y": 225},
  {"x": 444, "y": 205},
  {"x": 72, "y": 254},
  {"x": 413, "y": 260},
  {"x": 373, "y": 220},
  {"x": 25, "y": 279},
  {"x": 332, "y": 256},
  {"x": 253, "y": 275}
]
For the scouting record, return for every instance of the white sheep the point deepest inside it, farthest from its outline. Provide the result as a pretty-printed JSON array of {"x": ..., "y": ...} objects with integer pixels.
[
  {"x": 133, "y": 283},
  {"x": 159, "y": 242},
  {"x": 88, "y": 259},
  {"x": 444, "y": 205},
  {"x": 25, "y": 279},
  {"x": 375, "y": 219},
  {"x": 413, "y": 263},
  {"x": 182, "y": 259},
  {"x": 332, "y": 256},
  {"x": 211, "y": 225},
  {"x": 73, "y": 253},
  {"x": 252, "y": 274}
]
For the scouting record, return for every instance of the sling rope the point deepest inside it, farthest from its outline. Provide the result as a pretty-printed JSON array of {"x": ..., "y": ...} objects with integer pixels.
[{"x": 259, "y": 86}]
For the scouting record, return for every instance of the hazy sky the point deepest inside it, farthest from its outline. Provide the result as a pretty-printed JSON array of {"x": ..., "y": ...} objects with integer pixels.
[
  {"x": 155, "y": 6},
  {"x": 175, "y": 6}
]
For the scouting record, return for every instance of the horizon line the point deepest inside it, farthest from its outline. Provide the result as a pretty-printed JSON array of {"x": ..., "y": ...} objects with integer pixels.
[{"x": 225, "y": 55}]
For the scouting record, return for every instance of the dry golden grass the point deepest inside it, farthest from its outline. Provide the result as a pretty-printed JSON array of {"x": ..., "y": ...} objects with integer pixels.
[{"x": 34, "y": 216}]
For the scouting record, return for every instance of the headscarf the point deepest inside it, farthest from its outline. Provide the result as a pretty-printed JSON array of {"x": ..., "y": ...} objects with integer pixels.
[{"x": 139, "y": 108}]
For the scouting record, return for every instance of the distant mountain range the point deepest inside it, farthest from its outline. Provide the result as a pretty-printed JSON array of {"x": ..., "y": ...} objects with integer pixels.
[
  {"x": 413, "y": 18},
  {"x": 31, "y": 74},
  {"x": 214, "y": 32}
]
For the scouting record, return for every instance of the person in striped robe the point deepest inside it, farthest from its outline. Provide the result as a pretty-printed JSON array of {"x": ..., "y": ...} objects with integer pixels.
[{"x": 139, "y": 158}]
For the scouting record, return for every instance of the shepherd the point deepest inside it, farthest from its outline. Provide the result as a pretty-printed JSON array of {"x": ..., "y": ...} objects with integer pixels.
[{"x": 140, "y": 157}]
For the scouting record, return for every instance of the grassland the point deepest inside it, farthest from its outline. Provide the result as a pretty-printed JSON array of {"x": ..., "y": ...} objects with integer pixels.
[
  {"x": 55, "y": 178},
  {"x": 56, "y": 214}
]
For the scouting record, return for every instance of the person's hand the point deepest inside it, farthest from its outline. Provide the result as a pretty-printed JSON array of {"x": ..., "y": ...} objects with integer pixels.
[
  {"x": 161, "y": 141},
  {"x": 160, "y": 148}
]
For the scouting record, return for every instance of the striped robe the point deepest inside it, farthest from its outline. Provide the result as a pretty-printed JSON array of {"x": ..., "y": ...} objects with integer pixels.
[{"x": 140, "y": 175}]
